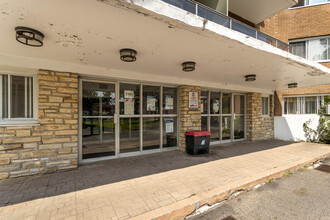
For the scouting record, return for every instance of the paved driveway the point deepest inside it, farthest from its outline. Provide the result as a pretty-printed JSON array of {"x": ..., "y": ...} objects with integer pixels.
[
  {"x": 129, "y": 187},
  {"x": 302, "y": 195}
]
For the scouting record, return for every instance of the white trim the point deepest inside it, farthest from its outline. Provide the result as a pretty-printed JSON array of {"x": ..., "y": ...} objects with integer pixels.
[{"x": 305, "y": 6}]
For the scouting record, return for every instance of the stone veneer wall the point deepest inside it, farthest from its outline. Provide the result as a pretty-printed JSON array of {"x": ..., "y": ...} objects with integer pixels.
[
  {"x": 189, "y": 120},
  {"x": 259, "y": 127},
  {"x": 53, "y": 144}
]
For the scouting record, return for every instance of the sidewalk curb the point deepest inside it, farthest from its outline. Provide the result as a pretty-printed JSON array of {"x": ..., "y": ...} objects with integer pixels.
[{"x": 180, "y": 209}]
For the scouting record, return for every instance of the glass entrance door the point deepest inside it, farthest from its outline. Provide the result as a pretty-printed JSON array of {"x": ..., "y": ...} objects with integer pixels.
[{"x": 98, "y": 120}]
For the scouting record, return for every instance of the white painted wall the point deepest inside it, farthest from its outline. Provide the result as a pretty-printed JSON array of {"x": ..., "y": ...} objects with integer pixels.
[{"x": 290, "y": 127}]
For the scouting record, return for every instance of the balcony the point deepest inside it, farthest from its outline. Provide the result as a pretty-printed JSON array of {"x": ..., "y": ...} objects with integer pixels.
[{"x": 223, "y": 20}]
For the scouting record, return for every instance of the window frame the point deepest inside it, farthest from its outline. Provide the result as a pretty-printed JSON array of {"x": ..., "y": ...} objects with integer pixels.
[
  {"x": 308, "y": 50},
  {"x": 307, "y": 5},
  {"x": 268, "y": 109},
  {"x": 21, "y": 121},
  {"x": 301, "y": 103}
]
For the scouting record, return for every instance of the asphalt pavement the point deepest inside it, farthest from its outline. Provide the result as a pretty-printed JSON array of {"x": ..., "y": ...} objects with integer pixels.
[{"x": 304, "y": 194}]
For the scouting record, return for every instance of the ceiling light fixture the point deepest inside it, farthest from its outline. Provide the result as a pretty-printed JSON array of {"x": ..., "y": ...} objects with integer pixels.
[
  {"x": 292, "y": 85},
  {"x": 29, "y": 36},
  {"x": 250, "y": 78},
  {"x": 128, "y": 55},
  {"x": 188, "y": 66}
]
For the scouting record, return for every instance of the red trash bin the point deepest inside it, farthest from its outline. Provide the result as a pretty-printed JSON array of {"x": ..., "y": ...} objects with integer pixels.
[{"x": 197, "y": 142}]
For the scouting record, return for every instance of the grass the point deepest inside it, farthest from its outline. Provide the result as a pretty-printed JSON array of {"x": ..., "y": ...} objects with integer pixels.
[
  {"x": 287, "y": 174},
  {"x": 271, "y": 181},
  {"x": 194, "y": 194}
]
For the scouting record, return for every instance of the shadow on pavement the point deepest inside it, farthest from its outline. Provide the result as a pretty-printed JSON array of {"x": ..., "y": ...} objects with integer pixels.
[{"x": 22, "y": 189}]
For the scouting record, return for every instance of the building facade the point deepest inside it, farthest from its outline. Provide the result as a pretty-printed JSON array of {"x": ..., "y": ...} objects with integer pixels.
[
  {"x": 306, "y": 28},
  {"x": 94, "y": 90}
]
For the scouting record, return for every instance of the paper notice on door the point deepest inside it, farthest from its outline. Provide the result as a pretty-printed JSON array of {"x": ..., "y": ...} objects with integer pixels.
[
  {"x": 129, "y": 107},
  {"x": 169, "y": 128},
  {"x": 151, "y": 103},
  {"x": 128, "y": 94},
  {"x": 168, "y": 102}
]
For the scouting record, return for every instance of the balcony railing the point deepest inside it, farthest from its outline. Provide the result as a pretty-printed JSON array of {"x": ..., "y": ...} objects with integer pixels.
[{"x": 216, "y": 17}]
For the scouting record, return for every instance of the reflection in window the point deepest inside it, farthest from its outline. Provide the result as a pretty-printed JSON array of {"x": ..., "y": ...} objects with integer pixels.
[
  {"x": 204, "y": 99},
  {"x": 265, "y": 105},
  {"x": 290, "y": 105},
  {"x": 310, "y": 105},
  {"x": 129, "y": 135},
  {"x": 215, "y": 128},
  {"x": 239, "y": 127},
  {"x": 318, "y": 49},
  {"x": 226, "y": 103},
  {"x": 151, "y": 133},
  {"x": 170, "y": 133},
  {"x": 299, "y": 49},
  {"x": 21, "y": 97},
  {"x": 226, "y": 127},
  {"x": 98, "y": 99},
  {"x": 215, "y": 103}
]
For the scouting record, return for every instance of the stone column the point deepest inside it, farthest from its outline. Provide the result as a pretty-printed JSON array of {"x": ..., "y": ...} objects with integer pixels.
[
  {"x": 258, "y": 127},
  {"x": 189, "y": 120}
]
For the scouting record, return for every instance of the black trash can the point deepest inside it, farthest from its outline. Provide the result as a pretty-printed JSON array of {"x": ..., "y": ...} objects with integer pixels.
[{"x": 197, "y": 142}]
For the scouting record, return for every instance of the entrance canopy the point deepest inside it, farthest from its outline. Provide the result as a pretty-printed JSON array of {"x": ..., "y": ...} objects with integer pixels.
[{"x": 85, "y": 37}]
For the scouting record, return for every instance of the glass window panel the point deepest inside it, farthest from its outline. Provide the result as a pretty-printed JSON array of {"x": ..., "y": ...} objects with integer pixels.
[
  {"x": 299, "y": 48},
  {"x": 151, "y": 96},
  {"x": 151, "y": 133},
  {"x": 169, "y": 100},
  {"x": 226, "y": 127},
  {"x": 129, "y": 101},
  {"x": 129, "y": 135},
  {"x": 18, "y": 97},
  {"x": 170, "y": 132},
  {"x": 98, "y": 137},
  {"x": 328, "y": 48},
  {"x": 310, "y": 105},
  {"x": 314, "y": 2},
  {"x": 238, "y": 104},
  {"x": 290, "y": 105},
  {"x": 239, "y": 127},
  {"x": 327, "y": 99},
  {"x": 265, "y": 105},
  {"x": 204, "y": 123},
  {"x": 185, "y": 5},
  {"x": 29, "y": 97},
  {"x": 204, "y": 104},
  {"x": 215, "y": 103},
  {"x": 237, "y": 26},
  {"x": 215, "y": 128},
  {"x": 226, "y": 103},
  {"x": 3, "y": 96},
  {"x": 213, "y": 16},
  {"x": 318, "y": 49},
  {"x": 98, "y": 99}
]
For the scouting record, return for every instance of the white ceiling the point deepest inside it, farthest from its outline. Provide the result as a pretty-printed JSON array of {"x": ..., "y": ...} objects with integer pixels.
[
  {"x": 257, "y": 11},
  {"x": 85, "y": 36}
]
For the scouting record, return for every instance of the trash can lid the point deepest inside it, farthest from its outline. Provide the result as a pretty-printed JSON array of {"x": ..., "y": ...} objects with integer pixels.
[{"x": 198, "y": 133}]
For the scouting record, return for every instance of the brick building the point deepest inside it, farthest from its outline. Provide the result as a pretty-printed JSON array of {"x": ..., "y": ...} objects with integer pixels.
[
  {"x": 306, "y": 28},
  {"x": 130, "y": 78}
]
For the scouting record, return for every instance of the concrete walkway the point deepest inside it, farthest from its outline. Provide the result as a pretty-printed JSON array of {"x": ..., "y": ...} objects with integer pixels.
[{"x": 167, "y": 185}]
